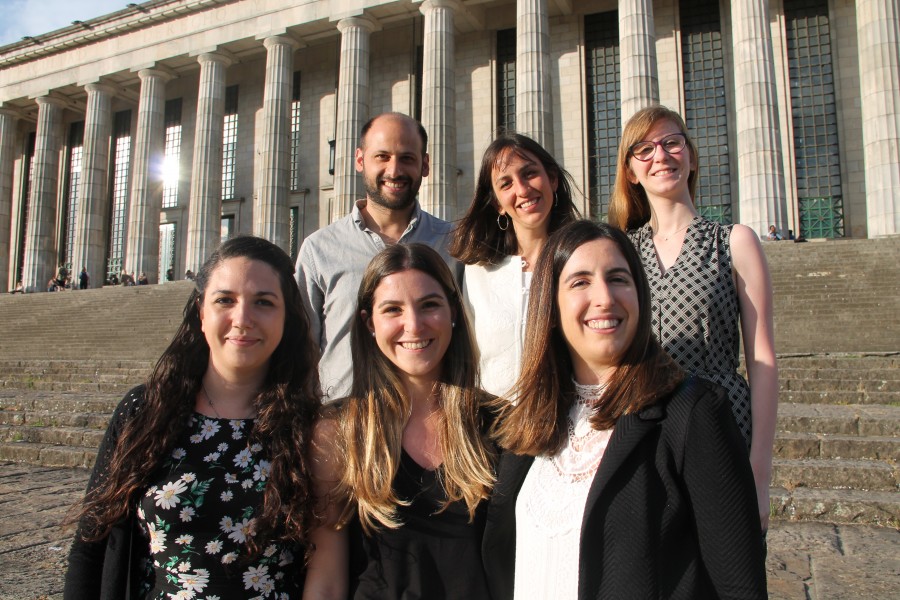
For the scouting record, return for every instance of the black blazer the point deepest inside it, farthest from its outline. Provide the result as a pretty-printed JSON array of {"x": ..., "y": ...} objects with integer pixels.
[{"x": 671, "y": 512}]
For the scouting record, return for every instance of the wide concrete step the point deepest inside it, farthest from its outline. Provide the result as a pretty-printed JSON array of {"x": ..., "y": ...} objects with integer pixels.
[
  {"x": 46, "y": 418},
  {"x": 47, "y": 455},
  {"x": 836, "y": 506},
  {"x": 841, "y": 360},
  {"x": 824, "y": 445},
  {"x": 838, "y": 397},
  {"x": 856, "y": 474},
  {"x": 863, "y": 384},
  {"x": 58, "y": 402},
  {"x": 59, "y": 435},
  {"x": 854, "y": 419}
]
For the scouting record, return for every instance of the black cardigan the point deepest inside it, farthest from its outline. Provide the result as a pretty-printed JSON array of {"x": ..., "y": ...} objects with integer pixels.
[
  {"x": 671, "y": 512},
  {"x": 103, "y": 569}
]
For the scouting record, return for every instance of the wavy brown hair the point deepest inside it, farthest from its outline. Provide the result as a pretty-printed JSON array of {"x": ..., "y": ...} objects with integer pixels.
[
  {"x": 537, "y": 422},
  {"x": 629, "y": 207},
  {"x": 478, "y": 239},
  {"x": 286, "y": 408},
  {"x": 372, "y": 418}
]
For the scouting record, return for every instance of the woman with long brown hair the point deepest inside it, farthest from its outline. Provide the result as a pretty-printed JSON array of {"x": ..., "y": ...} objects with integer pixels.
[
  {"x": 413, "y": 460},
  {"x": 620, "y": 476},
  {"x": 709, "y": 282},
  {"x": 202, "y": 485},
  {"x": 522, "y": 196}
]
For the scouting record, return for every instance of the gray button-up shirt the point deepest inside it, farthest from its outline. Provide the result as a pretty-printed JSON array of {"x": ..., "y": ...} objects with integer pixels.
[{"x": 329, "y": 270}]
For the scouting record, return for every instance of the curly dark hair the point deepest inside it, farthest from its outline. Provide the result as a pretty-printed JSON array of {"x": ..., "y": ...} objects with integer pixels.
[{"x": 286, "y": 408}]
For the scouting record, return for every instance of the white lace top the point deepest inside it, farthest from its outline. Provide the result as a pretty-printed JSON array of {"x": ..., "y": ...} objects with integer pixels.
[{"x": 550, "y": 507}]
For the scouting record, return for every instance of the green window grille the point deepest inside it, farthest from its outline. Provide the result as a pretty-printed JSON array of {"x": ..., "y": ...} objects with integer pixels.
[
  {"x": 25, "y": 204},
  {"x": 73, "y": 183},
  {"x": 601, "y": 41},
  {"x": 705, "y": 112},
  {"x": 172, "y": 156},
  {"x": 822, "y": 217},
  {"x": 119, "y": 192},
  {"x": 295, "y": 132},
  {"x": 229, "y": 143}
]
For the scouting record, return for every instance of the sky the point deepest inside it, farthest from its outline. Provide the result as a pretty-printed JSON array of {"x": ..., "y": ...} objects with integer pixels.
[{"x": 19, "y": 18}]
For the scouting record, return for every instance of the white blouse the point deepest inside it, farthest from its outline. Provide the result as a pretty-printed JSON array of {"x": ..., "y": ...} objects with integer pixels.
[{"x": 550, "y": 507}]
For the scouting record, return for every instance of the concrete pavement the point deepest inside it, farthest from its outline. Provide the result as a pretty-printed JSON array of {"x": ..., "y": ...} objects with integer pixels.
[{"x": 807, "y": 561}]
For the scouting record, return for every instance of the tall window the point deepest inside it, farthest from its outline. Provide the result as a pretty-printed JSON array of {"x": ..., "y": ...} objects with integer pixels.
[
  {"x": 506, "y": 79},
  {"x": 420, "y": 67},
  {"x": 25, "y": 203},
  {"x": 295, "y": 133},
  {"x": 75, "y": 157},
  {"x": 119, "y": 191},
  {"x": 166, "y": 250},
  {"x": 229, "y": 143},
  {"x": 814, "y": 118},
  {"x": 295, "y": 232},
  {"x": 704, "y": 98},
  {"x": 172, "y": 155},
  {"x": 601, "y": 41}
]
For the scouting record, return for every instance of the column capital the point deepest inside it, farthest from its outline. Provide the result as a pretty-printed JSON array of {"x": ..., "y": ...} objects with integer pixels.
[
  {"x": 216, "y": 56},
  {"x": 102, "y": 88},
  {"x": 52, "y": 101},
  {"x": 429, "y": 5},
  {"x": 361, "y": 22},
  {"x": 10, "y": 112},
  {"x": 164, "y": 73},
  {"x": 281, "y": 40}
]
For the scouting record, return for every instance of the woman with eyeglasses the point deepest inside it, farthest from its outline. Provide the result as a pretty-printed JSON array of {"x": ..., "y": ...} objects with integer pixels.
[
  {"x": 522, "y": 196},
  {"x": 705, "y": 278}
]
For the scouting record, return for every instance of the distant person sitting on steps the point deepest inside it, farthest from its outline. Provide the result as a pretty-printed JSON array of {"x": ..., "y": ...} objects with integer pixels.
[
  {"x": 83, "y": 279},
  {"x": 19, "y": 289},
  {"x": 773, "y": 235}
]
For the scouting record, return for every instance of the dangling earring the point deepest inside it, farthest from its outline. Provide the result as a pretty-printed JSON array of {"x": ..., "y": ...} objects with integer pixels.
[
  {"x": 452, "y": 323},
  {"x": 555, "y": 200},
  {"x": 503, "y": 227}
]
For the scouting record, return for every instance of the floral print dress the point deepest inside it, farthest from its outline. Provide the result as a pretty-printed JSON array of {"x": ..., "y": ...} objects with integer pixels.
[{"x": 199, "y": 512}]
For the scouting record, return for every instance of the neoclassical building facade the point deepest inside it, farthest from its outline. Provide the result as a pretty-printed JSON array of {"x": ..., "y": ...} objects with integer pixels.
[{"x": 138, "y": 140}]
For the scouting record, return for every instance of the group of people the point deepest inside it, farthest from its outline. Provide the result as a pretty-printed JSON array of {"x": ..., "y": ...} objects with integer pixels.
[{"x": 524, "y": 405}]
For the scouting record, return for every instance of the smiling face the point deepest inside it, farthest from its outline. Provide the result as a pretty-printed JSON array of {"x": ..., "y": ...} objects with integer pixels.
[
  {"x": 412, "y": 322},
  {"x": 242, "y": 316},
  {"x": 392, "y": 161},
  {"x": 524, "y": 190},
  {"x": 598, "y": 309},
  {"x": 664, "y": 175}
]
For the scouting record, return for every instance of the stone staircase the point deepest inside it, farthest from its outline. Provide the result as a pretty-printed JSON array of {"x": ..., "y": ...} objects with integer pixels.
[{"x": 838, "y": 443}]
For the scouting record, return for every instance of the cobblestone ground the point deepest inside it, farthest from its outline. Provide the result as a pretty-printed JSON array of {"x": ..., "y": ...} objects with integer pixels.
[{"x": 815, "y": 561}]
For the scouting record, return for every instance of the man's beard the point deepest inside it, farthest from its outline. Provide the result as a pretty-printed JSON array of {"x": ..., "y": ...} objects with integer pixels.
[{"x": 373, "y": 193}]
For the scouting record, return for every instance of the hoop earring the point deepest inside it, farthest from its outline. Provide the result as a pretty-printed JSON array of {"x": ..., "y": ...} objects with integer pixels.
[{"x": 503, "y": 227}]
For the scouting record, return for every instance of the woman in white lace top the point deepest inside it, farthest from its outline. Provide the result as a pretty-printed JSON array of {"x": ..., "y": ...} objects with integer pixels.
[{"x": 621, "y": 477}]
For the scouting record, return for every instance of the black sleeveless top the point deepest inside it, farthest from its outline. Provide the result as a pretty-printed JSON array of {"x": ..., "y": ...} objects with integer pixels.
[{"x": 432, "y": 556}]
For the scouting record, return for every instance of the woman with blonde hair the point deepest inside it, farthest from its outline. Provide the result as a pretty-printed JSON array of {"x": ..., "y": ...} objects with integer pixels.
[
  {"x": 409, "y": 447},
  {"x": 620, "y": 476},
  {"x": 705, "y": 278},
  {"x": 522, "y": 196}
]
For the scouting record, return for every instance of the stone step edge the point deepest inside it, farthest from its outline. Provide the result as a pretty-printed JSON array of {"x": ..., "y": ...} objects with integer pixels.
[{"x": 835, "y": 506}]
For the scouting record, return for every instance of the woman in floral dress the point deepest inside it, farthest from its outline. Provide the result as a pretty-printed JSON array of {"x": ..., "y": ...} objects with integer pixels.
[{"x": 202, "y": 486}]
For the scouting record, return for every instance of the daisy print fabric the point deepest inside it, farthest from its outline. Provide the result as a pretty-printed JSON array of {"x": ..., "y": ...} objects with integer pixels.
[{"x": 199, "y": 513}]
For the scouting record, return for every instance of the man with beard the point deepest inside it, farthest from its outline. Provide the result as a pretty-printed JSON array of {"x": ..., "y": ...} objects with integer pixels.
[{"x": 393, "y": 160}]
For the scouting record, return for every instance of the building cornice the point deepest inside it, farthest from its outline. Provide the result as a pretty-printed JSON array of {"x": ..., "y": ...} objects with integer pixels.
[{"x": 81, "y": 33}]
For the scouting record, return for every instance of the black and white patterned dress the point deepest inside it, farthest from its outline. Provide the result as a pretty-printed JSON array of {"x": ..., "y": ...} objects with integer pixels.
[{"x": 696, "y": 309}]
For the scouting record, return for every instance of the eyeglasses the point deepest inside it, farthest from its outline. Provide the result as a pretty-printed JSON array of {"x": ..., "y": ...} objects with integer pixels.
[{"x": 672, "y": 144}]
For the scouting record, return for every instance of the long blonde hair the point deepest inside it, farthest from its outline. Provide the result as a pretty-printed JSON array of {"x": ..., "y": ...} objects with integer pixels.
[
  {"x": 629, "y": 207},
  {"x": 372, "y": 418}
]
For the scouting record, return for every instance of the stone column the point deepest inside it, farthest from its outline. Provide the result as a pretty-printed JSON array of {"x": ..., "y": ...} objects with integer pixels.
[
  {"x": 271, "y": 219},
  {"x": 205, "y": 212},
  {"x": 8, "y": 125},
  {"x": 438, "y": 191},
  {"x": 760, "y": 169},
  {"x": 352, "y": 110},
  {"x": 534, "y": 109},
  {"x": 878, "y": 32},
  {"x": 40, "y": 230},
  {"x": 92, "y": 215},
  {"x": 637, "y": 47},
  {"x": 142, "y": 240}
]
